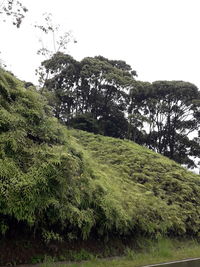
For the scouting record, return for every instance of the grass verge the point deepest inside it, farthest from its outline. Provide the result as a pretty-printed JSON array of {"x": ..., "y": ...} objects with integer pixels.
[{"x": 150, "y": 252}]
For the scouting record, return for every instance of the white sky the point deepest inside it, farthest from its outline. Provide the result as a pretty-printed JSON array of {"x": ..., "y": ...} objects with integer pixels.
[{"x": 160, "y": 39}]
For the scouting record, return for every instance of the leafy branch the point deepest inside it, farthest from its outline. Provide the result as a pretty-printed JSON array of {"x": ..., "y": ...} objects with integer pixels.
[{"x": 14, "y": 9}]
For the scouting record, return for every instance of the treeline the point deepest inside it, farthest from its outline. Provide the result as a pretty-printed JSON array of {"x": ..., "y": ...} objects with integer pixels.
[{"x": 102, "y": 96}]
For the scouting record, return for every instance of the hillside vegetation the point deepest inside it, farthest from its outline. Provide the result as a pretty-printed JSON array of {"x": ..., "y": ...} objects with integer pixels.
[{"x": 65, "y": 184}]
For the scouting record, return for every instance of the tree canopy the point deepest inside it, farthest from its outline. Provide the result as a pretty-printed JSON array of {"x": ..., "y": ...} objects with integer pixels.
[
  {"x": 104, "y": 96},
  {"x": 95, "y": 86},
  {"x": 169, "y": 112}
]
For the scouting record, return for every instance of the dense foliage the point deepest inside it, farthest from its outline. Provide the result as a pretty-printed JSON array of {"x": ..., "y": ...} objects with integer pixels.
[
  {"x": 156, "y": 195},
  {"x": 94, "y": 88},
  {"x": 102, "y": 96},
  {"x": 168, "y": 112},
  {"x": 61, "y": 184}
]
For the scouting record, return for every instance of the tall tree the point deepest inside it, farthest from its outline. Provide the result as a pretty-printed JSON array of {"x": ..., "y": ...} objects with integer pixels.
[
  {"x": 61, "y": 78},
  {"x": 95, "y": 86},
  {"x": 170, "y": 113},
  {"x": 105, "y": 83}
]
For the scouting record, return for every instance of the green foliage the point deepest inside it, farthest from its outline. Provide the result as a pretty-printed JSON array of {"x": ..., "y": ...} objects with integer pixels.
[
  {"x": 129, "y": 253},
  {"x": 80, "y": 255},
  {"x": 85, "y": 122},
  {"x": 96, "y": 94},
  {"x": 151, "y": 252},
  {"x": 167, "y": 112},
  {"x": 159, "y": 197},
  {"x": 49, "y": 236},
  {"x": 37, "y": 259},
  {"x": 67, "y": 184},
  {"x": 90, "y": 94},
  {"x": 41, "y": 176}
]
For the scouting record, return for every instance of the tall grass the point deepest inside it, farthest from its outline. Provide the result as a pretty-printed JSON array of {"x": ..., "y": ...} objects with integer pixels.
[{"x": 150, "y": 252}]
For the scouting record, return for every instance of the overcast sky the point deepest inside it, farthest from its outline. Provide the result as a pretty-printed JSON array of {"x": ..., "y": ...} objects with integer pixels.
[{"x": 160, "y": 39}]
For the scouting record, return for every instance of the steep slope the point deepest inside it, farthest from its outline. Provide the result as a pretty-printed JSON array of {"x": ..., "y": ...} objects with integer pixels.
[
  {"x": 64, "y": 184},
  {"x": 155, "y": 194}
]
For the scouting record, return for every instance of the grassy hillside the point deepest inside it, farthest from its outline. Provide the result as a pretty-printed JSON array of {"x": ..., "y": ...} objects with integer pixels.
[
  {"x": 66, "y": 184},
  {"x": 150, "y": 194}
]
